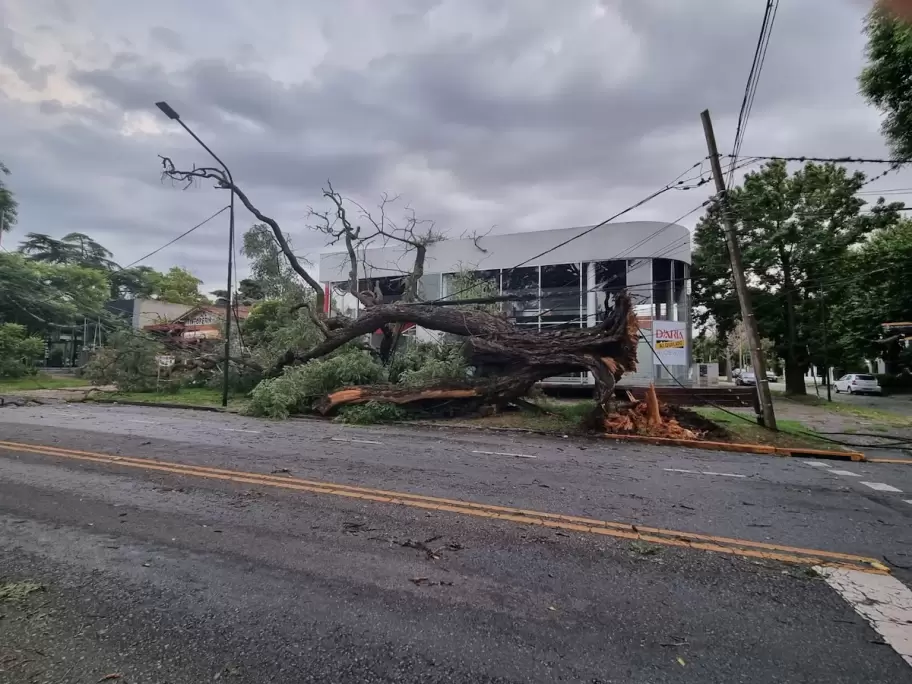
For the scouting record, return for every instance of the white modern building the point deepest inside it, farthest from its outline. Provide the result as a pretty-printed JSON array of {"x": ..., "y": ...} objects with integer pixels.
[{"x": 571, "y": 271}]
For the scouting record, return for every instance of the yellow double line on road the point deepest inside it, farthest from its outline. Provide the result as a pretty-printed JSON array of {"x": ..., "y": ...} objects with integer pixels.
[{"x": 736, "y": 547}]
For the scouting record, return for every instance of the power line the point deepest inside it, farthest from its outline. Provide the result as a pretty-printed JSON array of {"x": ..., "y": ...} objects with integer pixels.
[
  {"x": 834, "y": 160},
  {"x": 171, "y": 242},
  {"x": 753, "y": 79}
]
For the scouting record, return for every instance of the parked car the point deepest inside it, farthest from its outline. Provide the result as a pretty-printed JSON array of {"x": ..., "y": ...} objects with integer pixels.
[
  {"x": 771, "y": 376},
  {"x": 858, "y": 383},
  {"x": 746, "y": 378}
]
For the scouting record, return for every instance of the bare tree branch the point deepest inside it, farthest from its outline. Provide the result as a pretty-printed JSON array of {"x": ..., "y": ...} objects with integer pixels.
[{"x": 222, "y": 182}]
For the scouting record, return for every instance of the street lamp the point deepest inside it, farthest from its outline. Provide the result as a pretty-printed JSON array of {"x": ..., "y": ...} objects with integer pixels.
[{"x": 174, "y": 116}]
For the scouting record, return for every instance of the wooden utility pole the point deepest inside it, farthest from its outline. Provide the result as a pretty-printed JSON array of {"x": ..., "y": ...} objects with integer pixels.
[{"x": 767, "y": 415}]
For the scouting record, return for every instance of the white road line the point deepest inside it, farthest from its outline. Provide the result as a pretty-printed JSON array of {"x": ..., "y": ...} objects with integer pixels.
[
  {"x": 882, "y": 600},
  {"x": 255, "y": 432},
  {"x": 701, "y": 472},
  {"x": 148, "y": 422},
  {"x": 818, "y": 464},
  {"x": 908, "y": 501},
  {"x": 847, "y": 473},
  {"x": 357, "y": 441},
  {"x": 881, "y": 487},
  {"x": 503, "y": 453}
]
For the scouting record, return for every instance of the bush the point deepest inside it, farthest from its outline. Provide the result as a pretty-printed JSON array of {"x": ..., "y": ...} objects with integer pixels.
[
  {"x": 18, "y": 350},
  {"x": 896, "y": 383},
  {"x": 370, "y": 413},
  {"x": 127, "y": 362},
  {"x": 426, "y": 363},
  {"x": 299, "y": 387}
]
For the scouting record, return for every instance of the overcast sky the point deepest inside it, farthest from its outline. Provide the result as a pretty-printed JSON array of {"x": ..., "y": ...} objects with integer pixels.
[{"x": 519, "y": 114}]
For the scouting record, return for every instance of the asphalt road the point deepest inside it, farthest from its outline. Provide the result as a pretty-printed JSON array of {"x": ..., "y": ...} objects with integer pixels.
[{"x": 250, "y": 567}]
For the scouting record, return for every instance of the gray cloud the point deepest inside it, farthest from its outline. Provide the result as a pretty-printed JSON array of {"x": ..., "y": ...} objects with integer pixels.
[{"x": 524, "y": 115}]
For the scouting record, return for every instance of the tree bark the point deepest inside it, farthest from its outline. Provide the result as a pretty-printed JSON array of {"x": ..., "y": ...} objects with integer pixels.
[{"x": 519, "y": 357}]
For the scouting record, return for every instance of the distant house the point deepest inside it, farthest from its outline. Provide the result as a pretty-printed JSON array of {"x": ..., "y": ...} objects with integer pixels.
[{"x": 205, "y": 322}]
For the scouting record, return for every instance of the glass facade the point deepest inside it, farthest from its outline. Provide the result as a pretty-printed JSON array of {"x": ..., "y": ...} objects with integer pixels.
[{"x": 575, "y": 295}]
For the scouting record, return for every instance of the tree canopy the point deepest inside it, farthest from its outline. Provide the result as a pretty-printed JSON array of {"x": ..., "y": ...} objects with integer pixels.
[
  {"x": 8, "y": 204},
  {"x": 886, "y": 79},
  {"x": 796, "y": 231}
]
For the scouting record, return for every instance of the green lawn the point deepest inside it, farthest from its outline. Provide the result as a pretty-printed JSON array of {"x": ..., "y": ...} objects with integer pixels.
[
  {"x": 41, "y": 381},
  {"x": 792, "y": 433},
  {"x": 869, "y": 413},
  {"x": 192, "y": 396}
]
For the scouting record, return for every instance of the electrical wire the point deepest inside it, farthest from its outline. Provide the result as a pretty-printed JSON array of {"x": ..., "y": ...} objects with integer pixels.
[
  {"x": 753, "y": 79},
  {"x": 171, "y": 242}
]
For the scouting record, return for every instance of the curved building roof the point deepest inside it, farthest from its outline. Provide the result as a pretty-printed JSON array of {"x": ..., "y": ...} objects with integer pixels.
[{"x": 629, "y": 240}]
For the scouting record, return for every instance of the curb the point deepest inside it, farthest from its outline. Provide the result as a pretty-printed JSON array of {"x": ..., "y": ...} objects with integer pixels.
[
  {"x": 764, "y": 449},
  {"x": 156, "y": 404}
]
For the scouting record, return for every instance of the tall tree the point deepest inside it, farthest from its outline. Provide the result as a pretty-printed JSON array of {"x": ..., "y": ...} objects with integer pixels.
[
  {"x": 139, "y": 282},
  {"x": 876, "y": 296},
  {"x": 48, "y": 250},
  {"x": 40, "y": 295},
  {"x": 885, "y": 81},
  {"x": 87, "y": 252},
  {"x": 268, "y": 265},
  {"x": 8, "y": 204},
  {"x": 180, "y": 286},
  {"x": 795, "y": 231}
]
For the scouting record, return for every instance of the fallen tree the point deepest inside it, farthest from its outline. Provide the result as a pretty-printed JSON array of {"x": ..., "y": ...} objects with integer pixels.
[{"x": 509, "y": 359}]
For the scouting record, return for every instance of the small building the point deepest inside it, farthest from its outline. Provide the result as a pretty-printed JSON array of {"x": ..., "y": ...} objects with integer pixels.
[
  {"x": 571, "y": 271},
  {"x": 206, "y": 322}
]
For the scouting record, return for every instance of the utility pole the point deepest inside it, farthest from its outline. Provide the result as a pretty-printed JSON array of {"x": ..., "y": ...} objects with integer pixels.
[{"x": 767, "y": 415}]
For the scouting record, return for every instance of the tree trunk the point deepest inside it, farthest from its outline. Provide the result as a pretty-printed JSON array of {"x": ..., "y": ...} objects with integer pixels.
[
  {"x": 794, "y": 365},
  {"x": 519, "y": 357}
]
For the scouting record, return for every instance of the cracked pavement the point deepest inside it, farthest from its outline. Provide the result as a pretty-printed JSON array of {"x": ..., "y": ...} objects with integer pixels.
[{"x": 164, "y": 577}]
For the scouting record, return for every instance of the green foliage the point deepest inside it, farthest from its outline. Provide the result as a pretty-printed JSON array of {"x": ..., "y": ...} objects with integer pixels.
[
  {"x": 371, "y": 413},
  {"x": 467, "y": 284},
  {"x": 885, "y": 80},
  {"x": 74, "y": 249},
  {"x": 180, "y": 286},
  {"x": 18, "y": 350},
  {"x": 128, "y": 362},
  {"x": 271, "y": 272},
  {"x": 796, "y": 232},
  {"x": 427, "y": 363},
  {"x": 8, "y": 204},
  {"x": 296, "y": 390},
  {"x": 901, "y": 383},
  {"x": 40, "y": 295},
  {"x": 276, "y": 325},
  {"x": 875, "y": 295},
  {"x": 140, "y": 282}
]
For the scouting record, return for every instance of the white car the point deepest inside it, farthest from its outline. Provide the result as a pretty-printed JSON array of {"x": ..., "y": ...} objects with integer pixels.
[{"x": 857, "y": 383}]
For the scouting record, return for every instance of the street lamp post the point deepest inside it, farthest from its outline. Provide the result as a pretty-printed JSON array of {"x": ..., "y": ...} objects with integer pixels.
[{"x": 174, "y": 116}]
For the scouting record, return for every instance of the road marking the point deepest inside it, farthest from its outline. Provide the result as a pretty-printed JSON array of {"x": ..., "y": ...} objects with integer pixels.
[
  {"x": 881, "y": 487},
  {"x": 357, "y": 441},
  {"x": 847, "y": 473},
  {"x": 908, "y": 501},
  {"x": 691, "y": 540},
  {"x": 255, "y": 432},
  {"x": 503, "y": 453},
  {"x": 148, "y": 422},
  {"x": 818, "y": 464},
  {"x": 885, "y": 602},
  {"x": 701, "y": 472}
]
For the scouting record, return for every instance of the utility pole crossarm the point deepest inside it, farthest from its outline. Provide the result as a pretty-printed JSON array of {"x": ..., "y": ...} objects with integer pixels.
[{"x": 767, "y": 412}]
